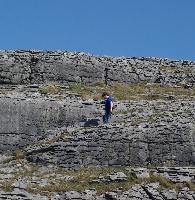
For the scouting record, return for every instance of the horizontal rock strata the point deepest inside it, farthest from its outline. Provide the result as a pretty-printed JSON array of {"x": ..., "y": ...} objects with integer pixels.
[
  {"x": 65, "y": 130},
  {"x": 159, "y": 132},
  {"x": 28, "y": 67},
  {"x": 49, "y": 175}
]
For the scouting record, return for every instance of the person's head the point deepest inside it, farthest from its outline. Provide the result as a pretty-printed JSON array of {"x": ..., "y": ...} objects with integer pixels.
[{"x": 105, "y": 95}]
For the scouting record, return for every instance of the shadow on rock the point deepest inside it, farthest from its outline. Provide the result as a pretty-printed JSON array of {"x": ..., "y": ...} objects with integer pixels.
[{"x": 90, "y": 122}]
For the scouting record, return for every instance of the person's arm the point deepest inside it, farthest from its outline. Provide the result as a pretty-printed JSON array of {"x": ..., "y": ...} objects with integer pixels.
[{"x": 111, "y": 106}]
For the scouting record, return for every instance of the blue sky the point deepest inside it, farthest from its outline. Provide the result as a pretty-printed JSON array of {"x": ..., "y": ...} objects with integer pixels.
[{"x": 130, "y": 28}]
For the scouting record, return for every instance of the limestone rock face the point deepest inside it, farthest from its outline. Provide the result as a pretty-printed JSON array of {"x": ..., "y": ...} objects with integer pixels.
[
  {"x": 65, "y": 131},
  {"x": 27, "y": 67},
  {"x": 26, "y": 119},
  {"x": 28, "y": 116},
  {"x": 120, "y": 146}
]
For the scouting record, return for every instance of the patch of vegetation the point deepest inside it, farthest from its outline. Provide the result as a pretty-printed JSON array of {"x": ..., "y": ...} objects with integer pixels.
[
  {"x": 16, "y": 155},
  {"x": 119, "y": 91},
  {"x": 56, "y": 138},
  {"x": 175, "y": 69},
  {"x": 100, "y": 83},
  {"x": 7, "y": 185},
  {"x": 170, "y": 69},
  {"x": 49, "y": 90},
  {"x": 4, "y": 91},
  {"x": 83, "y": 180}
]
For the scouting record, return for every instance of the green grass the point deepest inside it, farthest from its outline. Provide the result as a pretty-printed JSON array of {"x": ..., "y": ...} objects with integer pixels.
[
  {"x": 49, "y": 90},
  {"x": 82, "y": 179},
  {"x": 119, "y": 91},
  {"x": 137, "y": 91}
]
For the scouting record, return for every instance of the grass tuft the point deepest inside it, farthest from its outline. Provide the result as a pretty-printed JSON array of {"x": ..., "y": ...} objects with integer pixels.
[
  {"x": 120, "y": 91},
  {"x": 49, "y": 90}
]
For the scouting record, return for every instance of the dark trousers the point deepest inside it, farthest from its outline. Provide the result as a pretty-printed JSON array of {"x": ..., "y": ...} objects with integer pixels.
[{"x": 106, "y": 117}]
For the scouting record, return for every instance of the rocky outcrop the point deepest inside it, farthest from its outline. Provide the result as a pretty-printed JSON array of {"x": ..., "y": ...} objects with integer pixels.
[
  {"x": 158, "y": 144},
  {"x": 26, "y": 118},
  {"x": 152, "y": 133},
  {"x": 29, "y": 67},
  {"x": 50, "y": 175},
  {"x": 67, "y": 131}
]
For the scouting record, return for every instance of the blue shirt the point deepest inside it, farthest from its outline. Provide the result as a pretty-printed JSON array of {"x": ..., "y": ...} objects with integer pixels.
[{"x": 107, "y": 103}]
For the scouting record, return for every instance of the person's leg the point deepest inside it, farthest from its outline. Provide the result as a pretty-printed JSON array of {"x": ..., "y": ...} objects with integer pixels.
[{"x": 106, "y": 117}]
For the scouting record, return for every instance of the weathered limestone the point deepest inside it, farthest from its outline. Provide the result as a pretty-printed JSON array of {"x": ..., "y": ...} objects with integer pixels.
[
  {"x": 18, "y": 67},
  {"x": 150, "y": 133},
  {"x": 121, "y": 145},
  {"x": 68, "y": 130},
  {"x": 140, "y": 191}
]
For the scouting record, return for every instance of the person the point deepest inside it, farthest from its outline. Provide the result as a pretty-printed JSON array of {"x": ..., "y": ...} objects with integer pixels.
[{"x": 108, "y": 107}]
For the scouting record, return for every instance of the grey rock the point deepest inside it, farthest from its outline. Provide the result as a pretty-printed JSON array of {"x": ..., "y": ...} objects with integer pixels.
[
  {"x": 18, "y": 194},
  {"x": 117, "y": 176},
  {"x": 185, "y": 193},
  {"x": 169, "y": 194},
  {"x": 177, "y": 174},
  {"x": 151, "y": 190},
  {"x": 140, "y": 172},
  {"x": 44, "y": 66},
  {"x": 75, "y": 195},
  {"x": 158, "y": 133}
]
